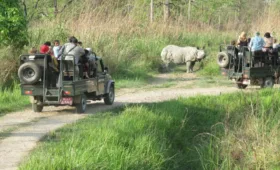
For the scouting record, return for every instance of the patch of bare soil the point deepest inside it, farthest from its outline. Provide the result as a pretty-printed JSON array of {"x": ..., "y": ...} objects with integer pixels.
[{"x": 22, "y": 130}]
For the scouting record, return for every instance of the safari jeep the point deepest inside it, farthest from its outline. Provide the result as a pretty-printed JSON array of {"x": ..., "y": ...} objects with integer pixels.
[
  {"x": 47, "y": 85},
  {"x": 246, "y": 68}
]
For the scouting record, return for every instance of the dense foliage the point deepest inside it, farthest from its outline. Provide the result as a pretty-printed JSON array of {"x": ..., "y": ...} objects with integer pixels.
[
  {"x": 123, "y": 32},
  {"x": 13, "y": 25},
  {"x": 221, "y": 14}
]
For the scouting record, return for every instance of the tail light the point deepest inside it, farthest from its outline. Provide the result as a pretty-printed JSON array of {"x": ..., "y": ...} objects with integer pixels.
[
  {"x": 66, "y": 93},
  {"x": 28, "y": 92}
]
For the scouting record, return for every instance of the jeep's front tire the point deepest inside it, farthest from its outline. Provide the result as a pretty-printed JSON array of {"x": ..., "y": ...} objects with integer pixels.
[
  {"x": 110, "y": 96},
  {"x": 268, "y": 82},
  {"x": 29, "y": 73}
]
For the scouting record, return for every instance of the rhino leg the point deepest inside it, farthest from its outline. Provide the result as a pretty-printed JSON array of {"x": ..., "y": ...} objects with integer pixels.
[
  {"x": 188, "y": 64},
  {"x": 192, "y": 65}
]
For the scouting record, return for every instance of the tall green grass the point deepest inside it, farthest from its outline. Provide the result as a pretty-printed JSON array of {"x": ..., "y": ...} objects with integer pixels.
[
  {"x": 134, "y": 54},
  {"x": 233, "y": 131},
  {"x": 12, "y": 100}
]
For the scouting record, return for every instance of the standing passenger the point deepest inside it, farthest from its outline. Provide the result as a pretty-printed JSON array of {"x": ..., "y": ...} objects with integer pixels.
[
  {"x": 268, "y": 42},
  {"x": 56, "y": 49},
  {"x": 72, "y": 48},
  {"x": 256, "y": 43},
  {"x": 46, "y": 49}
]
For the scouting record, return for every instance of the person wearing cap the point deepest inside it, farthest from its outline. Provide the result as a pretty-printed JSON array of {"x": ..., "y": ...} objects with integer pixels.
[
  {"x": 256, "y": 43},
  {"x": 72, "y": 48},
  {"x": 92, "y": 61}
]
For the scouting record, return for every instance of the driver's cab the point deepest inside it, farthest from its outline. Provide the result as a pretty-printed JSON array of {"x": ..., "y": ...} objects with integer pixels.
[{"x": 100, "y": 74}]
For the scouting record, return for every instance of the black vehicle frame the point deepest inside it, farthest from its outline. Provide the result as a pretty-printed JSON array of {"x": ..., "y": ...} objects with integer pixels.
[{"x": 67, "y": 86}]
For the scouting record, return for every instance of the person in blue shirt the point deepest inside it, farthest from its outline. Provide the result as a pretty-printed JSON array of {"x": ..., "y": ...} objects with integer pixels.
[{"x": 256, "y": 44}]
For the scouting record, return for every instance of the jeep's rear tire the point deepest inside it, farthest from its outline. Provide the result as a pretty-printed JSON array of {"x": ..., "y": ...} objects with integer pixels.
[
  {"x": 223, "y": 59},
  {"x": 37, "y": 107},
  {"x": 110, "y": 96},
  {"x": 81, "y": 106},
  {"x": 268, "y": 82},
  {"x": 29, "y": 73}
]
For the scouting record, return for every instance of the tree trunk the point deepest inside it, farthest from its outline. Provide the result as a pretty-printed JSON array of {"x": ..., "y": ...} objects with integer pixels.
[
  {"x": 24, "y": 8},
  {"x": 152, "y": 11},
  {"x": 166, "y": 10},
  {"x": 189, "y": 11},
  {"x": 55, "y": 7}
]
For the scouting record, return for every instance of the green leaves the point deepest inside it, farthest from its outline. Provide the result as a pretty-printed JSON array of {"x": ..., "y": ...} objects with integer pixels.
[{"x": 13, "y": 26}]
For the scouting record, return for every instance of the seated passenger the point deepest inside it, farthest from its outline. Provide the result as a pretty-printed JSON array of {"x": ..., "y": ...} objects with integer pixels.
[
  {"x": 90, "y": 54},
  {"x": 33, "y": 50},
  {"x": 242, "y": 40},
  {"x": 268, "y": 43},
  {"x": 233, "y": 43},
  {"x": 92, "y": 61}
]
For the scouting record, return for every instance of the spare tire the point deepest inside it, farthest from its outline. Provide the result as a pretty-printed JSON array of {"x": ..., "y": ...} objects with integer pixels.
[
  {"x": 29, "y": 73},
  {"x": 223, "y": 59}
]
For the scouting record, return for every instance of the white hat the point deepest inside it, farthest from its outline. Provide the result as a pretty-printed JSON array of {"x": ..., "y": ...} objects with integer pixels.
[{"x": 89, "y": 49}]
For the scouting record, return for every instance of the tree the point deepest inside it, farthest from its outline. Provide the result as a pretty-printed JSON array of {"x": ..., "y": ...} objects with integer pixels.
[
  {"x": 13, "y": 26},
  {"x": 166, "y": 8},
  {"x": 152, "y": 11}
]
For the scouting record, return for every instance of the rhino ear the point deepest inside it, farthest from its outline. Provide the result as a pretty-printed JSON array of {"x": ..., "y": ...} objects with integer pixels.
[
  {"x": 203, "y": 47},
  {"x": 197, "y": 48}
]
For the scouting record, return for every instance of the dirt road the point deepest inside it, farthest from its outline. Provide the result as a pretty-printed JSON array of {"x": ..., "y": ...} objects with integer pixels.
[{"x": 21, "y": 131}]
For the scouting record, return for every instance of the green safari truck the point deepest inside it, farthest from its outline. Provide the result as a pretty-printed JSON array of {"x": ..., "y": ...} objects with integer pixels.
[
  {"x": 46, "y": 85},
  {"x": 249, "y": 68}
]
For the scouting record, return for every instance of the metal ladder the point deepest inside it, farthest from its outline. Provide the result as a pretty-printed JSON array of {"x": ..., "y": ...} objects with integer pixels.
[{"x": 52, "y": 95}]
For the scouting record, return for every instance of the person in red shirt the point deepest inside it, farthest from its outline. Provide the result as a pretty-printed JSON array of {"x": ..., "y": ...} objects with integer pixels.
[{"x": 46, "y": 48}]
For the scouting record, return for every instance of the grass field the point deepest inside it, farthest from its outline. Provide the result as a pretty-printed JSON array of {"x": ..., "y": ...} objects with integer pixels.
[
  {"x": 12, "y": 100},
  {"x": 233, "y": 131}
]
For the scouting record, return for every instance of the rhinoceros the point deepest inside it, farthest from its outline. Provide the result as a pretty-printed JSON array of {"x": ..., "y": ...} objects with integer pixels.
[{"x": 178, "y": 55}]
